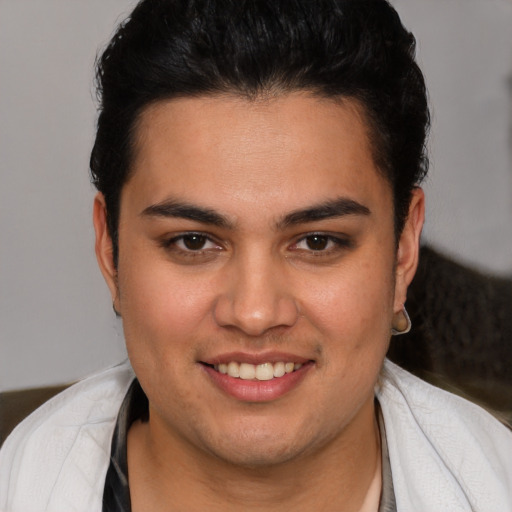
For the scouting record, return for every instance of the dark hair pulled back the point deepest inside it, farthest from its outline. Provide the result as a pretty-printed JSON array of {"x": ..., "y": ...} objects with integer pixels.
[{"x": 354, "y": 49}]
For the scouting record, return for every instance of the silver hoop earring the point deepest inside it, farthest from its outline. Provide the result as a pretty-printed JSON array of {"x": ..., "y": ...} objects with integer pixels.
[
  {"x": 115, "y": 311},
  {"x": 402, "y": 324}
]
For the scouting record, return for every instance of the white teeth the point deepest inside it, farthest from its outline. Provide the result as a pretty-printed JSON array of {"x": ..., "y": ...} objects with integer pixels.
[
  {"x": 247, "y": 371},
  {"x": 264, "y": 371},
  {"x": 233, "y": 369},
  {"x": 279, "y": 369}
]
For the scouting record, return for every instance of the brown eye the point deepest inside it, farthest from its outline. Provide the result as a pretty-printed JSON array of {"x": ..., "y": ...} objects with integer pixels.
[
  {"x": 321, "y": 246},
  {"x": 317, "y": 242},
  {"x": 194, "y": 242}
]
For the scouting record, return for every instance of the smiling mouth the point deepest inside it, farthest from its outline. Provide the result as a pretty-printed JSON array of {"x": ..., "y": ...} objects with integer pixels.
[{"x": 264, "y": 371}]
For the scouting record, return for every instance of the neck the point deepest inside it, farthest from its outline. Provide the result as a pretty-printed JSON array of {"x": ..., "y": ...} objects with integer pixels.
[{"x": 166, "y": 474}]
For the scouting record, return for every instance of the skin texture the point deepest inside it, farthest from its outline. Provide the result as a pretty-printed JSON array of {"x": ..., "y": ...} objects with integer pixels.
[{"x": 257, "y": 286}]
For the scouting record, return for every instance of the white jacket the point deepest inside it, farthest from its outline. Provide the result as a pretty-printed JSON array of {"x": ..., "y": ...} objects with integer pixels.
[{"x": 446, "y": 454}]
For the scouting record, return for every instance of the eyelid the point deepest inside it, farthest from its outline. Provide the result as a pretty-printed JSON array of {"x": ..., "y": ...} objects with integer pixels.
[
  {"x": 335, "y": 237},
  {"x": 170, "y": 241},
  {"x": 336, "y": 243}
]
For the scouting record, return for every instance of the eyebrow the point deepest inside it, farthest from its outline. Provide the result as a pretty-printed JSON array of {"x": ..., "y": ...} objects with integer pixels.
[
  {"x": 331, "y": 209},
  {"x": 177, "y": 209},
  {"x": 334, "y": 208}
]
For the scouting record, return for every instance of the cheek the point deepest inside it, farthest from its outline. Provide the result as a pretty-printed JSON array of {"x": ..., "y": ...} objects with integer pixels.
[
  {"x": 161, "y": 309},
  {"x": 162, "y": 320},
  {"x": 353, "y": 314},
  {"x": 355, "y": 301}
]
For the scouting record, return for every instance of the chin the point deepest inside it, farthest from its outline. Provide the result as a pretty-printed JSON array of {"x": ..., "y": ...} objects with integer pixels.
[
  {"x": 258, "y": 446},
  {"x": 257, "y": 455}
]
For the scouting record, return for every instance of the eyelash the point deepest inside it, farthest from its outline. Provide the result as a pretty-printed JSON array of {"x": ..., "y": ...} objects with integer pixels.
[
  {"x": 171, "y": 244},
  {"x": 335, "y": 244}
]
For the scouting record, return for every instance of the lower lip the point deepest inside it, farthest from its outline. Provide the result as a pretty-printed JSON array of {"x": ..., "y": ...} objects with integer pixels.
[{"x": 258, "y": 390}]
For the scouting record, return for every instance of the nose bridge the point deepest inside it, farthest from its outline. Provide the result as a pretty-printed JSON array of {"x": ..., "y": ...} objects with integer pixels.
[{"x": 257, "y": 296}]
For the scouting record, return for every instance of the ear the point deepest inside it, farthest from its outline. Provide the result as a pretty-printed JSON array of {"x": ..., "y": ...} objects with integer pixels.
[
  {"x": 104, "y": 247},
  {"x": 408, "y": 248}
]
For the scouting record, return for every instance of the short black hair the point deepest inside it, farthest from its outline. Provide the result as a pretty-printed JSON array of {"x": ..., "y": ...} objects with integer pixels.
[{"x": 355, "y": 49}]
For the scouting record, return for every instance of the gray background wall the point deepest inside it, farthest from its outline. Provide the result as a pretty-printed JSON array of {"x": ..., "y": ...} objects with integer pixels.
[{"x": 56, "y": 321}]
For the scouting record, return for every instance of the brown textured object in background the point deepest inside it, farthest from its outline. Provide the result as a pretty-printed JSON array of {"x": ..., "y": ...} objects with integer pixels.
[
  {"x": 461, "y": 338},
  {"x": 17, "y": 405}
]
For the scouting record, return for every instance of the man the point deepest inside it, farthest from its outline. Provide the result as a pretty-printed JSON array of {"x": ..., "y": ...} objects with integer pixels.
[{"x": 258, "y": 223}]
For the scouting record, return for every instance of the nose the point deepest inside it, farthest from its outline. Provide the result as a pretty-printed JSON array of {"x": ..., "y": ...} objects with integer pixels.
[{"x": 256, "y": 297}]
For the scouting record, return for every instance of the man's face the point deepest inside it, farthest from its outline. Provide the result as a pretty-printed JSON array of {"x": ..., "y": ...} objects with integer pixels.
[{"x": 255, "y": 237}]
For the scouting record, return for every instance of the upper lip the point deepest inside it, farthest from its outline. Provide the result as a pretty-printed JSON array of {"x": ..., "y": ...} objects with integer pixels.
[{"x": 255, "y": 358}]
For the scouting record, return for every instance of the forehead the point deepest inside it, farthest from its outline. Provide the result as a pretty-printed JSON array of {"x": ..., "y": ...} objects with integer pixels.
[{"x": 269, "y": 151}]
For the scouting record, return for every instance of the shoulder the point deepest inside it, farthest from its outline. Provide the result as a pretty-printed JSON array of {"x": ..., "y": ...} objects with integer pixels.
[
  {"x": 62, "y": 448},
  {"x": 444, "y": 450}
]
